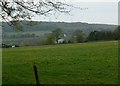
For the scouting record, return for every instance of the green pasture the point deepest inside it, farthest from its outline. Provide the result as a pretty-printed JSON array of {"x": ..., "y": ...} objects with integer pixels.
[{"x": 84, "y": 63}]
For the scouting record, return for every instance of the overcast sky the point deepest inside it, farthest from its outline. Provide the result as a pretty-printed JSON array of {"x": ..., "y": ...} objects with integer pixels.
[{"x": 99, "y": 11}]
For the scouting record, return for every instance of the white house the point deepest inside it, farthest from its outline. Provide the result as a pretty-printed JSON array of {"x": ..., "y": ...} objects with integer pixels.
[
  {"x": 13, "y": 46},
  {"x": 60, "y": 41}
]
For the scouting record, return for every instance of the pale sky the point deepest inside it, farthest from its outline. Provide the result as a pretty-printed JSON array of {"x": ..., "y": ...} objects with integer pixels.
[
  {"x": 91, "y": 0},
  {"x": 99, "y": 11}
]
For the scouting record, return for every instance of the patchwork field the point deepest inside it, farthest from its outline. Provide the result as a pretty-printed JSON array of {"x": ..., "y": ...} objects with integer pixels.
[{"x": 84, "y": 63}]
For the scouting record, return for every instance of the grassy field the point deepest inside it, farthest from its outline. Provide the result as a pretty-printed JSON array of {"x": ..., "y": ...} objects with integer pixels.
[
  {"x": 0, "y": 66},
  {"x": 85, "y": 63}
]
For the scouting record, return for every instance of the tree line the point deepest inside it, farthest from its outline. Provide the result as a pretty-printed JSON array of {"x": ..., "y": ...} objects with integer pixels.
[
  {"x": 14, "y": 36},
  {"x": 79, "y": 36},
  {"x": 104, "y": 35},
  {"x": 57, "y": 36}
]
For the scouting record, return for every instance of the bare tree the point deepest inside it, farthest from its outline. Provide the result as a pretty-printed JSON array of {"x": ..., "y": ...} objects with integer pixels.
[{"x": 15, "y": 10}]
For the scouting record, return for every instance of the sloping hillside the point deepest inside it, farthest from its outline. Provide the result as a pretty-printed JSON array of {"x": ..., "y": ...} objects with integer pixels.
[{"x": 37, "y": 30}]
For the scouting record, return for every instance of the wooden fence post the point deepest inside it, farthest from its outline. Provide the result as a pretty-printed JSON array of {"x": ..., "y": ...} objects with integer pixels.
[{"x": 36, "y": 76}]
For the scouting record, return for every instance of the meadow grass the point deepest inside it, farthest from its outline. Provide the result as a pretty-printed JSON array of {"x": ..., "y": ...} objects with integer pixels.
[{"x": 84, "y": 63}]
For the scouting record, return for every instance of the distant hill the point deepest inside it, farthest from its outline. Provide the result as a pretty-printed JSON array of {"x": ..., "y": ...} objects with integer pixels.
[
  {"x": 39, "y": 28},
  {"x": 49, "y": 26}
]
